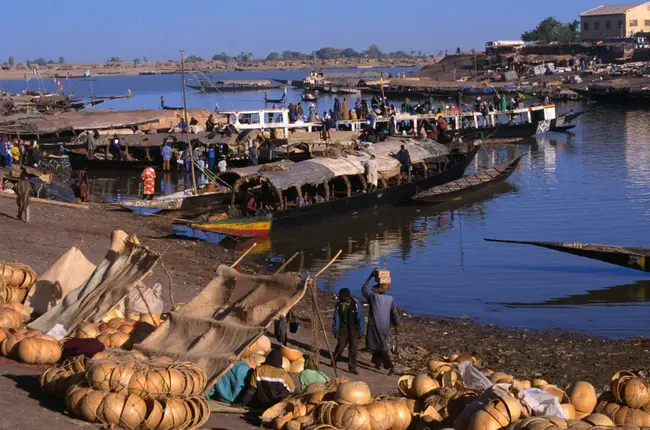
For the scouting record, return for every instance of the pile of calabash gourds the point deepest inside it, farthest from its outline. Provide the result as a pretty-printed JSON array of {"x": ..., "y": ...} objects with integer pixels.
[
  {"x": 628, "y": 400},
  {"x": 293, "y": 360},
  {"x": 130, "y": 391},
  {"x": 119, "y": 332},
  {"x": 349, "y": 406},
  {"x": 15, "y": 281},
  {"x": 21, "y": 344}
]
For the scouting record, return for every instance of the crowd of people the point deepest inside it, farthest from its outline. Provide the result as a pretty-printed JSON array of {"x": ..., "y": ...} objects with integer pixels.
[{"x": 19, "y": 152}]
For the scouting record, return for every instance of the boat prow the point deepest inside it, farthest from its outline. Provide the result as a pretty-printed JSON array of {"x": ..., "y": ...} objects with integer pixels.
[
  {"x": 468, "y": 184},
  {"x": 630, "y": 257},
  {"x": 237, "y": 227}
]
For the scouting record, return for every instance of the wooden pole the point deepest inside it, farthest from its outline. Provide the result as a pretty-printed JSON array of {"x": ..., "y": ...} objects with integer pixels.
[
  {"x": 194, "y": 190},
  {"x": 48, "y": 202},
  {"x": 322, "y": 324},
  {"x": 318, "y": 312},
  {"x": 286, "y": 263},
  {"x": 243, "y": 255},
  {"x": 153, "y": 320},
  {"x": 328, "y": 264}
]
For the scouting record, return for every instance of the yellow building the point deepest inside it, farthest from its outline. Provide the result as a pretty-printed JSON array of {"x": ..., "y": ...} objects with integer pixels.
[{"x": 623, "y": 20}]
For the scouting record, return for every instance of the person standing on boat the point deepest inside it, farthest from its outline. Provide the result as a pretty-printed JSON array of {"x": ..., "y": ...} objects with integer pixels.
[
  {"x": 382, "y": 314},
  {"x": 186, "y": 157},
  {"x": 337, "y": 110},
  {"x": 201, "y": 171},
  {"x": 166, "y": 152},
  {"x": 404, "y": 158},
  {"x": 312, "y": 113},
  {"x": 90, "y": 145},
  {"x": 348, "y": 325},
  {"x": 222, "y": 166},
  {"x": 209, "y": 125},
  {"x": 212, "y": 157},
  {"x": 442, "y": 128},
  {"x": 115, "y": 147},
  {"x": 149, "y": 179},
  {"x": 300, "y": 114},
  {"x": 371, "y": 168},
  {"x": 346, "y": 109},
  {"x": 503, "y": 103}
]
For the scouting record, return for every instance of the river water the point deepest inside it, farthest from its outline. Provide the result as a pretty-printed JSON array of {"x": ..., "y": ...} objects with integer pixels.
[{"x": 590, "y": 185}]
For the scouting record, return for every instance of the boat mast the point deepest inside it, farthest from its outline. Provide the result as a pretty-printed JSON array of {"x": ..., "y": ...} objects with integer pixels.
[{"x": 187, "y": 123}]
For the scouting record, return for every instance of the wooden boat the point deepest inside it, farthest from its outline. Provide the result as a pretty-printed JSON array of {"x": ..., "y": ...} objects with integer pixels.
[
  {"x": 314, "y": 172},
  {"x": 468, "y": 184},
  {"x": 181, "y": 201},
  {"x": 307, "y": 98},
  {"x": 268, "y": 100},
  {"x": 630, "y": 257},
  {"x": 525, "y": 129},
  {"x": 233, "y": 86}
]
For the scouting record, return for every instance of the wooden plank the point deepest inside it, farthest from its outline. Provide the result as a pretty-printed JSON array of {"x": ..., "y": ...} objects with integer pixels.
[{"x": 47, "y": 202}]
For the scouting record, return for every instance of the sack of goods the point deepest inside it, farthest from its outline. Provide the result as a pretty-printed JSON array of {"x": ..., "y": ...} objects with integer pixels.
[{"x": 382, "y": 277}]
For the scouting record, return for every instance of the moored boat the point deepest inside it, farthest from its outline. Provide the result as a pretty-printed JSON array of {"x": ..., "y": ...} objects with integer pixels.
[
  {"x": 468, "y": 184},
  {"x": 631, "y": 257},
  {"x": 181, "y": 201},
  {"x": 233, "y": 86},
  {"x": 340, "y": 185}
]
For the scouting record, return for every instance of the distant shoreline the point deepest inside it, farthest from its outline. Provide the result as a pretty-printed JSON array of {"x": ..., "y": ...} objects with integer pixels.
[{"x": 60, "y": 71}]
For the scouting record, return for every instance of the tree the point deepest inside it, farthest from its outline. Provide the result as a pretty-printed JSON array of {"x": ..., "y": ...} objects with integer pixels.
[
  {"x": 440, "y": 53},
  {"x": 114, "y": 60},
  {"x": 11, "y": 61},
  {"x": 221, "y": 57},
  {"x": 136, "y": 61},
  {"x": 61, "y": 60},
  {"x": 273, "y": 56},
  {"x": 194, "y": 59},
  {"x": 552, "y": 30},
  {"x": 349, "y": 53},
  {"x": 373, "y": 51},
  {"x": 144, "y": 59}
]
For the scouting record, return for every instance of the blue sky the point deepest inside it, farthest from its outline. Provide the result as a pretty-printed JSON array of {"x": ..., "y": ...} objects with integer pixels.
[{"x": 94, "y": 30}]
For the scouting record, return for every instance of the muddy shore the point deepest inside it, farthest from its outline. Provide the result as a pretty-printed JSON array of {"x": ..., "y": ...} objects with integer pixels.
[{"x": 557, "y": 356}]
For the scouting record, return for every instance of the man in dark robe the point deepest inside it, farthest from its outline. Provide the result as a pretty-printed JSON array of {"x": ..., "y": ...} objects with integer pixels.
[{"x": 382, "y": 314}]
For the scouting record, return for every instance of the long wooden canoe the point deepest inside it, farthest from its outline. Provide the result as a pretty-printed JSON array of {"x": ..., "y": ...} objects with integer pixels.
[
  {"x": 630, "y": 257},
  {"x": 238, "y": 227},
  {"x": 468, "y": 184}
]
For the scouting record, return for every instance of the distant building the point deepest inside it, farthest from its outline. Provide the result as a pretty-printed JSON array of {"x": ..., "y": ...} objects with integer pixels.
[{"x": 623, "y": 20}]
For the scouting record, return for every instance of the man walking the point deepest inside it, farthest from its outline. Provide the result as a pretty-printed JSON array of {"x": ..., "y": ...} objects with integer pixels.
[
  {"x": 348, "y": 325},
  {"x": 23, "y": 196},
  {"x": 381, "y": 315}
]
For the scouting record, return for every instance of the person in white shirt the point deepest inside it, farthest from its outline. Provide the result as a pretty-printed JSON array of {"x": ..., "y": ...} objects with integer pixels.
[{"x": 222, "y": 166}]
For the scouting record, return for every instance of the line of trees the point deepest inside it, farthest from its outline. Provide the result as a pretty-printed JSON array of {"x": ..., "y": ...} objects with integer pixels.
[
  {"x": 41, "y": 62},
  {"x": 327, "y": 53},
  {"x": 551, "y": 30}
]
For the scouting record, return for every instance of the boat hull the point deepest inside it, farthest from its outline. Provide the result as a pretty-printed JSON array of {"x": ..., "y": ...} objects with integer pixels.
[
  {"x": 238, "y": 227},
  {"x": 309, "y": 214},
  {"x": 206, "y": 89},
  {"x": 630, "y": 257},
  {"x": 468, "y": 185}
]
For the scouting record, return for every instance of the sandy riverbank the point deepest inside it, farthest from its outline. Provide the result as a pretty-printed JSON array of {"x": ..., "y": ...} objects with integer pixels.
[
  {"x": 556, "y": 356},
  {"x": 127, "y": 69}
]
